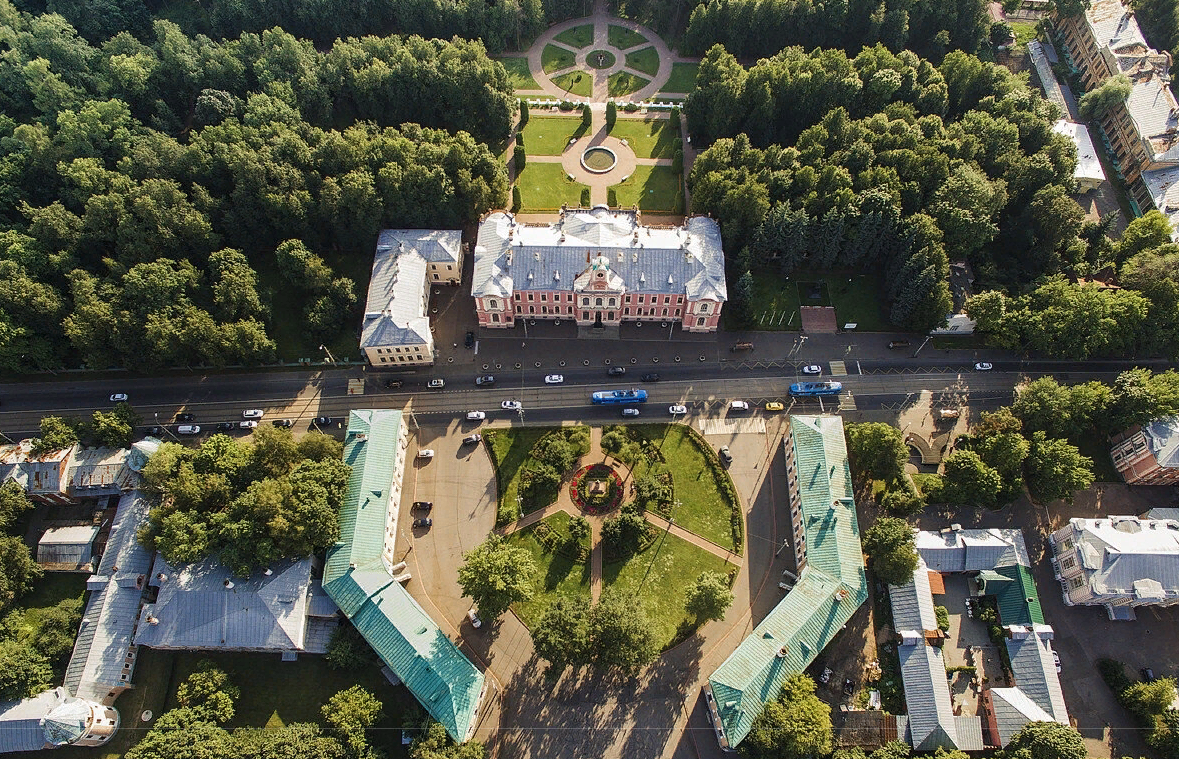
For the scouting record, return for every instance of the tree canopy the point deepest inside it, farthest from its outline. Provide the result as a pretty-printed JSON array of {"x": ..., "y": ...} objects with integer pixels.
[
  {"x": 495, "y": 575},
  {"x": 709, "y": 597},
  {"x": 1045, "y": 740},
  {"x": 877, "y": 451},
  {"x": 796, "y": 725},
  {"x": 891, "y": 550},
  {"x": 615, "y": 632}
]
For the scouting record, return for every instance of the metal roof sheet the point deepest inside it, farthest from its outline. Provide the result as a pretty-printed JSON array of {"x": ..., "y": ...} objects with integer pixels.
[
  {"x": 1035, "y": 671},
  {"x": 396, "y": 306},
  {"x": 73, "y": 535},
  {"x": 1121, "y": 550},
  {"x": 1088, "y": 164},
  {"x": 971, "y": 550},
  {"x": 1015, "y": 593},
  {"x": 20, "y": 721},
  {"x": 830, "y": 587},
  {"x": 1013, "y": 709}
]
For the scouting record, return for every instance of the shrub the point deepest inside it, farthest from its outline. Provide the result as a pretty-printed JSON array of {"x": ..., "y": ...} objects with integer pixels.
[
  {"x": 611, "y": 115},
  {"x": 347, "y": 650},
  {"x": 587, "y": 116},
  {"x": 611, "y": 197},
  {"x": 519, "y": 157},
  {"x": 519, "y": 139},
  {"x": 516, "y": 202},
  {"x": 585, "y": 197},
  {"x": 943, "y": 617},
  {"x": 567, "y": 105},
  {"x": 630, "y": 107},
  {"x": 677, "y": 161},
  {"x": 523, "y": 112},
  {"x": 1113, "y": 672}
]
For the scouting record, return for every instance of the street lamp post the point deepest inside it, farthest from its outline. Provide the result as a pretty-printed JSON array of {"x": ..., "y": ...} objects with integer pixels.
[
  {"x": 331, "y": 358},
  {"x": 156, "y": 415}
]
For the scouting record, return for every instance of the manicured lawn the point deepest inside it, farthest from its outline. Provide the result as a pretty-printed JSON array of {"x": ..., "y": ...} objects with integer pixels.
[
  {"x": 1025, "y": 32},
  {"x": 559, "y": 576},
  {"x": 549, "y": 135},
  {"x": 545, "y": 187},
  {"x": 653, "y": 188},
  {"x": 856, "y": 297},
  {"x": 623, "y": 38},
  {"x": 776, "y": 299},
  {"x": 683, "y": 78},
  {"x": 623, "y": 83},
  {"x": 648, "y": 138},
  {"x": 509, "y": 450},
  {"x": 660, "y": 577},
  {"x": 576, "y": 83},
  {"x": 518, "y": 74},
  {"x": 645, "y": 60},
  {"x": 554, "y": 58},
  {"x": 578, "y": 36}
]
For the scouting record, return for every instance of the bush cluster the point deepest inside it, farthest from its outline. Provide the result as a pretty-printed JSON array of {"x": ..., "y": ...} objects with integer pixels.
[{"x": 562, "y": 545}]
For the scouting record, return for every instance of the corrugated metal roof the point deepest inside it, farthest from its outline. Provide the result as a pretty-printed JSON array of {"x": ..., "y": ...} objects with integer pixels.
[
  {"x": 75, "y": 535},
  {"x": 970, "y": 735},
  {"x": 1121, "y": 550},
  {"x": 829, "y": 590},
  {"x": 510, "y": 257},
  {"x": 395, "y": 310},
  {"x": 1013, "y": 709},
  {"x": 20, "y": 721},
  {"x": 971, "y": 550},
  {"x": 1035, "y": 671},
  {"x": 1015, "y": 594},
  {"x": 1088, "y": 164},
  {"x": 356, "y": 577},
  {"x": 204, "y": 606},
  {"x": 104, "y": 637}
]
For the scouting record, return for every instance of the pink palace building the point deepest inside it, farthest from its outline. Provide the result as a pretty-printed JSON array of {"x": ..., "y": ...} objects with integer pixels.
[{"x": 599, "y": 267}]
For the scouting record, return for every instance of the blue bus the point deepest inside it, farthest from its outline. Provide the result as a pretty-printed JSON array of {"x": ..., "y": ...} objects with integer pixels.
[
  {"x": 815, "y": 389},
  {"x": 609, "y": 397}
]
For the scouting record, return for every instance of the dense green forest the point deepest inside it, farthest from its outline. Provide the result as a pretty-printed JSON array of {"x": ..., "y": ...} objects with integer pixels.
[{"x": 144, "y": 188}]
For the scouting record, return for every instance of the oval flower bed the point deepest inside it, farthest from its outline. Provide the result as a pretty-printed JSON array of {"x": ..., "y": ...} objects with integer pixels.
[{"x": 601, "y": 502}]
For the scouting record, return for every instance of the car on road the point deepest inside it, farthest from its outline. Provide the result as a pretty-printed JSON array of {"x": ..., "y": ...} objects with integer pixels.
[
  {"x": 155, "y": 431},
  {"x": 252, "y": 413},
  {"x": 393, "y": 384},
  {"x": 473, "y": 618},
  {"x": 247, "y": 424},
  {"x": 725, "y": 455},
  {"x": 423, "y": 522},
  {"x": 677, "y": 409},
  {"x": 487, "y": 380},
  {"x": 323, "y": 421},
  {"x": 651, "y": 377},
  {"x": 469, "y": 340},
  {"x": 984, "y": 366},
  {"x": 554, "y": 379},
  {"x": 774, "y": 406},
  {"x": 825, "y": 677},
  {"x": 898, "y": 344},
  {"x": 475, "y": 438},
  {"x": 476, "y": 416},
  {"x": 812, "y": 369},
  {"x": 630, "y": 412},
  {"x": 738, "y": 405},
  {"x": 286, "y": 423},
  {"x": 186, "y": 417},
  {"x": 1056, "y": 661},
  {"x": 119, "y": 398},
  {"x": 188, "y": 429},
  {"x": 511, "y": 405},
  {"x": 226, "y": 426},
  {"x": 616, "y": 371},
  {"x": 426, "y": 453},
  {"x": 436, "y": 384},
  {"x": 422, "y": 506}
]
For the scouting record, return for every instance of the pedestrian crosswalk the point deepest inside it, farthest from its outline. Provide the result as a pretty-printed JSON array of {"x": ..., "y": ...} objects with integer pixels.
[
  {"x": 838, "y": 368},
  {"x": 731, "y": 425}
]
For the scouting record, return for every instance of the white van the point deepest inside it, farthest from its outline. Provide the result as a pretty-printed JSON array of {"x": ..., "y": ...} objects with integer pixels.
[{"x": 188, "y": 429}]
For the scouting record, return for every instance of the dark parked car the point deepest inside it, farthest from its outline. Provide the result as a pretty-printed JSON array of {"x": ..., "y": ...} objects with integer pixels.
[
  {"x": 324, "y": 421},
  {"x": 616, "y": 371},
  {"x": 898, "y": 344},
  {"x": 1148, "y": 675},
  {"x": 393, "y": 384},
  {"x": 469, "y": 340},
  {"x": 486, "y": 380},
  {"x": 284, "y": 423},
  {"x": 155, "y": 431},
  {"x": 186, "y": 417},
  {"x": 651, "y": 377},
  {"x": 226, "y": 426},
  {"x": 423, "y": 522},
  {"x": 422, "y": 506},
  {"x": 472, "y": 439}
]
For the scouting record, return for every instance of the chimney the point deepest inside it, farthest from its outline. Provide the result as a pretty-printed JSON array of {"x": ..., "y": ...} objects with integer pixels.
[
  {"x": 162, "y": 577},
  {"x": 152, "y": 620},
  {"x": 228, "y": 584},
  {"x": 268, "y": 571}
]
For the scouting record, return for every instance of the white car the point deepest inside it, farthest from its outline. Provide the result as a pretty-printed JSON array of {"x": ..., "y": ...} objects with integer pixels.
[
  {"x": 1056, "y": 661},
  {"x": 119, "y": 398},
  {"x": 812, "y": 369},
  {"x": 677, "y": 409},
  {"x": 476, "y": 416},
  {"x": 188, "y": 429},
  {"x": 511, "y": 405},
  {"x": 426, "y": 453},
  {"x": 473, "y": 618},
  {"x": 252, "y": 413},
  {"x": 738, "y": 405},
  {"x": 434, "y": 384},
  {"x": 983, "y": 366},
  {"x": 630, "y": 412},
  {"x": 247, "y": 424},
  {"x": 554, "y": 379}
]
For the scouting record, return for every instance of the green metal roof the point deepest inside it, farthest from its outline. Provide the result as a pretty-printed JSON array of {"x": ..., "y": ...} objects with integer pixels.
[
  {"x": 405, "y": 637},
  {"x": 1015, "y": 594},
  {"x": 829, "y": 590}
]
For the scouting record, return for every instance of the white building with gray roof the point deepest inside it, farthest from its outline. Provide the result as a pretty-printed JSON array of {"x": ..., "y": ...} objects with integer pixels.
[
  {"x": 598, "y": 268},
  {"x": 396, "y": 330}
]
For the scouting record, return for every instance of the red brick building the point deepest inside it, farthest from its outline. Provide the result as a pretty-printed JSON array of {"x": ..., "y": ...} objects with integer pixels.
[{"x": 1148, "y": 455}]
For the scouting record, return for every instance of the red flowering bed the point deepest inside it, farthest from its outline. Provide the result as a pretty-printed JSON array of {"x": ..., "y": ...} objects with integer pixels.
[{"x": 596, "y": 503}]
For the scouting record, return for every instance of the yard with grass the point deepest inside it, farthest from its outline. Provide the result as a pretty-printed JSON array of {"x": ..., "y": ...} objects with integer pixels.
[
  {"x": 683, "y": 78},
  {"x": 645, "y": 60},
  {"x": 776, "y": 299},
  {"x": 509, "y": 449},
  {"x": 549, "y": 135},
  {"x": 623, "y": 83},
  {"x": 545, "y": 187},
  {"x": 580, "y": 83},
  {"x": 519, "y": 75},
  {"x": 578, "y": 36},
  {"x": 660, "y": 577},
  {"x": 559, "y": 575},
  {"x": 648, "y": 138},
  {"x": 653, "y": 188},
  {"x": 554, "y": 58},
  {"x": 623, "y": 38},
  {"x": 1025, "y": 32},
  {"x": 291, "y": 336}
]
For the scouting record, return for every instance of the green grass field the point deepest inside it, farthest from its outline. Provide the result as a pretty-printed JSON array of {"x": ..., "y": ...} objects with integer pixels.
[
  {"x": 645, "y": 60},
  {"x": 623, "y": 38},
  {"x": 559, "y": 576},
  {"x": 660, "y": 577},
  {"x": 579, "y": 83},
  {"x": 578, "y": 36},
  {"x": 545, "y": 187},
  {"x": 519, "y": 75},
  {"x": 549, "y": 135},
  {"x": 554, "y": 58},
  {"x": 1025, "y": 32},
  {"x": 776, "y": 300},
  {"x": 509, "y": 450},
  {"x": 683, "y": 78},
  {"x": 653, "y": 188},
  {"x": 648, "y": 138},
  {"x": 623, "y": 83}
]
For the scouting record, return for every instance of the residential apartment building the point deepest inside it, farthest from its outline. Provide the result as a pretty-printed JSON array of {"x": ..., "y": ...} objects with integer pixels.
[
  {"x": 599, "y": 268},
  {"x": 396, "y": 330},
  {"x": 1148, "y": 455},
  {"x": 1119, "y": 562}
]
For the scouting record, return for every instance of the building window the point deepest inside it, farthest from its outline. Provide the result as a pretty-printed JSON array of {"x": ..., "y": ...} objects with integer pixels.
[
  {"x": 626, "y": 299},
  {"x": 642, "y": 299},
  {"x": 517, "y": 296},
  {"x": 585, "y": 316},
  {"x": 1067, "y": 544},
  {"x": 1076, "y": 582},
  {"x": 529, "y": 297},
  {"x": 609, "y": 316},
  {"x": 585, "y": 301},
  {"x": 700, "y": 321},
  {"x": 532, "y": 309},
  {"x": 677, "y": 312},
  {"x": 435, "y": 276},
  {"x": 626, "y": 312},
  {"x": 492, "y": 303},
  {"x": 679, "y": 301},
  {"x": 703, "y": 308},
  {"x": 495, "y": 317},
  {"x": 666, "y": 299},
  {"x": 543, "y": 297},
  {"x": 519, "y": 310},
  {"x": 449, "y": 267},
  {"x": 1068, "y": 562},
  {"x": 383, "y": 359},
  {"x": 544, "y": 309},
  {"x": 598, "y": 302},
  {"x": 665, "y": 312},
  {"x": 611, "y": 303},
  {"x": 571, "y": 309}
]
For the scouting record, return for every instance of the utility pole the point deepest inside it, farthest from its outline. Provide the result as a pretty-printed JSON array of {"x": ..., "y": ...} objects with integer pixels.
[
  {"x": 919, "y": 347},
  {"x": 331, "y": 358}
]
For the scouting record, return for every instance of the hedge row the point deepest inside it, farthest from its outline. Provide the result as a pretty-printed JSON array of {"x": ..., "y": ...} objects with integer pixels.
[
  {"x": 562, "y": 545},
  {"x": 725, "y": 485},
  {"x": 505, "y": 513}
]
